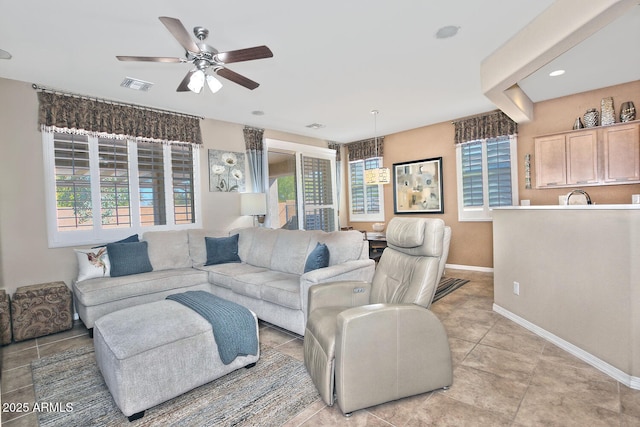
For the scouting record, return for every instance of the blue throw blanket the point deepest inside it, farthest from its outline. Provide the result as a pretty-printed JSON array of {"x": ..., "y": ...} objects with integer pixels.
[{"x": 234, "y": 327}]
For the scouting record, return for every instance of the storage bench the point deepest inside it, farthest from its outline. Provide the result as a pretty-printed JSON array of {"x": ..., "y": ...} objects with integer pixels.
[
  {"x": 154, "y": 352},
  {"x": 41, "y": 309}
]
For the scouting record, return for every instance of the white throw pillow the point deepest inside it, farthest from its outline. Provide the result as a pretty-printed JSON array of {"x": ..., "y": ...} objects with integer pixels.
[{"x": 93, "y": 263}]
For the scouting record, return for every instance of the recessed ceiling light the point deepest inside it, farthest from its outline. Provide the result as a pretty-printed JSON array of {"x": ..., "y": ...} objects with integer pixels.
[
  {"x": 258, "y": 113},
  {"x": 447, "y": 31},
  {"x": 556, "y": 73},
  {"x": 136, "y": 84},
  {"x": 4, "y": 54}
]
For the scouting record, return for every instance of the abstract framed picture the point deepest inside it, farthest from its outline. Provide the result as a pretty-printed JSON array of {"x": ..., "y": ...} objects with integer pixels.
[{"x": 417, "y": 186}]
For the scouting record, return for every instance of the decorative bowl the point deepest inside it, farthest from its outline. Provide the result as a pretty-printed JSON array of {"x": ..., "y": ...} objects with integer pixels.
[{"x": 378, "y": 227}]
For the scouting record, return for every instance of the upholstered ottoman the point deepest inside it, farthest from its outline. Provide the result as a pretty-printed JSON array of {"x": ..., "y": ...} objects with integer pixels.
[
  {"x": 5, "y": 318},
  {"x": 42, "y": 309},
  {"x": 154, "y": 352}
]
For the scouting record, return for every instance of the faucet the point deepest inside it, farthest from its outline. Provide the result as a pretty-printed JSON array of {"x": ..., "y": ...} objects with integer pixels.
[{"x": 578, "y": 191}]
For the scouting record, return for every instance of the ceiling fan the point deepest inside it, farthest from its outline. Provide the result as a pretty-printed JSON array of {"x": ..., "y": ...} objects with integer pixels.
[{"x": 207, "y": 60}]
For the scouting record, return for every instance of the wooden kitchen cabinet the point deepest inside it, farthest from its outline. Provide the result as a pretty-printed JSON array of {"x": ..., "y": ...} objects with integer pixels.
[
  {"x": 550, "y": 161},
  {"x": 582, "y": 158},
  {"x": 622, "y": 154},
  {"x": 594, "y": 156}
]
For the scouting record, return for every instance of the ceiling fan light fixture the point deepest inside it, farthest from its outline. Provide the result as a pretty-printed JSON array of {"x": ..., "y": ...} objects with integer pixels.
[
  {"x": 213, "y": 83},
  {"x": 196, "y": 82}
]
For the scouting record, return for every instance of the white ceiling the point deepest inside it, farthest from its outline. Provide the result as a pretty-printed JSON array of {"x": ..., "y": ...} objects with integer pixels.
[{"x": 334, "y": 61}]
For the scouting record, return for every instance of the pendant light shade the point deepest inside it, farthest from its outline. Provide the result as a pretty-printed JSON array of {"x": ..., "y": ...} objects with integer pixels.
[{"x": 378, "y": 175}]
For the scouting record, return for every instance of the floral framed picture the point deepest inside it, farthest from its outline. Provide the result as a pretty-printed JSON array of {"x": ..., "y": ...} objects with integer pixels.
[
  {"x": 417, "y": 186},
  {"x": 226, "y": 171}
]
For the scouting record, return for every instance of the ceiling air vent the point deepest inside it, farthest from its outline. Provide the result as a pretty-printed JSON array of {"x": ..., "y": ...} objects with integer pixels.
[
  {"x": 136, "y": 84},
  {"x": 315, "y": 126}
]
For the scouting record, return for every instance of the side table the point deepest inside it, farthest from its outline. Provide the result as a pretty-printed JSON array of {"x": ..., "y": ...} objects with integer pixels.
[{"x": 41, "y": 309}]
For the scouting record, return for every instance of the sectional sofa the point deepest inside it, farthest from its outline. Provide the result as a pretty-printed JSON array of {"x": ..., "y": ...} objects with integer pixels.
[{"x": 265, "y": 270}]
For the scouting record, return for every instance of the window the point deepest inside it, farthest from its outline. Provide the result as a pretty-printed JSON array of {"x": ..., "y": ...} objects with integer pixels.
[
  {"x": 366, "y": 202},
  {"x": 102, "y": 188},
  {"x": 317, "y": 190},
  {"x": 487, "y": 177}
]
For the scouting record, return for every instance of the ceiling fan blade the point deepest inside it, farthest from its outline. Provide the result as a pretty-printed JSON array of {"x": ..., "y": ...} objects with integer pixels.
[
  {"x": 150, "y": 59},
  {"x": 248, "y": 54},
  {"x": 237, "y": 78},
  {"x": 182, "y": 87},
  {"x": 180, "y": 33}
]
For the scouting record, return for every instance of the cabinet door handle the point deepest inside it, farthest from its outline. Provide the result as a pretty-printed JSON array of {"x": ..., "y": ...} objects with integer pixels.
[
  {"x": 622, "y": 179},
  {"x": 551, "y": 183}
]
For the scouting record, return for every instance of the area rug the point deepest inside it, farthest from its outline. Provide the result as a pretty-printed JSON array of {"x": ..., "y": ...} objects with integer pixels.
[
  {"x": 73, "y": 392},
  {"x": 448, "y": 285}
]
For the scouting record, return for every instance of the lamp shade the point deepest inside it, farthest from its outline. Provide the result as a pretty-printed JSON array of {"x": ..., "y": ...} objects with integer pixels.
[{"x": 253, "y": 204}]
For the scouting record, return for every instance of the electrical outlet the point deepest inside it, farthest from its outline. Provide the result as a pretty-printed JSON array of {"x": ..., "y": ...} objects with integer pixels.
[{"x": 516, "y": 288}]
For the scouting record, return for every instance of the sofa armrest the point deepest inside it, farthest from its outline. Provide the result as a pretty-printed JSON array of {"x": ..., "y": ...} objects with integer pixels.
[
  {"x": 416, "y": 356},
  {"x": 356, "y": 270}
]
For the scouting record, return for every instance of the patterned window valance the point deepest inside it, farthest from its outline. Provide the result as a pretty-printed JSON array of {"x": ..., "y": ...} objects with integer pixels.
[
  {"x": 335, "y": 146},
  {"x": 98, "y": 116},
  {"x": 253, "y": 138},
  {"x": 365, "y": 149},
  {"x": 490, "y": 125}
]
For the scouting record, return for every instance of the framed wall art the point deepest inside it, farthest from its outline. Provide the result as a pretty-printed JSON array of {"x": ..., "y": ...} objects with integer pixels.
[
  {"x": 417, "y": 186},
  {"x": 226, "y": 171}
]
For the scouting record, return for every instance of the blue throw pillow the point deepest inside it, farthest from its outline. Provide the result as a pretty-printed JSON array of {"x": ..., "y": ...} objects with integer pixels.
[
  {"x": 128, "y": 258},
  {"x": 318, "y": 258},
  {"x": 221, "y": 250}
]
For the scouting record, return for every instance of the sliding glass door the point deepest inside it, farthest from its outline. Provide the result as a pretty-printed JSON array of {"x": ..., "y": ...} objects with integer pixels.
[{"x": 302, "y": 186}]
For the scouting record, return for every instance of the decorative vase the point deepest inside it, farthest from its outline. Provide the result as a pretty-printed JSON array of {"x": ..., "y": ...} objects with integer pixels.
[
  {"x": 591, "y": 118},
  {"x": 607, "y": 115},
  {"x": 627, "y": 112},
  {"x": 577, "y": 124}
]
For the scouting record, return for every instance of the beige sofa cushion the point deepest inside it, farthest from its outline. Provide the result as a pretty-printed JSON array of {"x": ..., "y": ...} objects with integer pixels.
[
  {"x": 287, "y": 250},
  {"x": 168, "y": 249},
  {"x": 104, "y": 290},
  {"x": 197, "y": 246},
  {"x": 343, "y": 245}
]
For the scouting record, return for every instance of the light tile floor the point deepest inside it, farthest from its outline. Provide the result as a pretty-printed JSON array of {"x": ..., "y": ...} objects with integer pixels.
[{"x": 504, "y": 375}]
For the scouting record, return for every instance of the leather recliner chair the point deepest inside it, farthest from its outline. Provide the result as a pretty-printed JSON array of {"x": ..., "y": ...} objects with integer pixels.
[{"x": 377, "y": 342}]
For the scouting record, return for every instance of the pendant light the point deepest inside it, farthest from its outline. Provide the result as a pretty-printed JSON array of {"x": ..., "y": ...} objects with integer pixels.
[{"x": 378, "y": 175}]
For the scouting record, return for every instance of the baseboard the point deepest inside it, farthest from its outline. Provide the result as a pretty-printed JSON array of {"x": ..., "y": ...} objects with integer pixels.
[
  {"x": 615, "y": 373},
  {"x": 469, "y": 267}
]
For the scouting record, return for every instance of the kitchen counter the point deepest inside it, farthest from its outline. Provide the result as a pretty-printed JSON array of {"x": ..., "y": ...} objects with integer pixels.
[{"x": 571, "y": 207}]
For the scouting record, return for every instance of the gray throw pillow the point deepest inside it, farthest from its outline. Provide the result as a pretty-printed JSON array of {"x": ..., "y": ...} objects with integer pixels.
[
  {"x": 128, "y": 258},
  {"x": 221, "y": 250},
  {"x": 318, "y": 258}
]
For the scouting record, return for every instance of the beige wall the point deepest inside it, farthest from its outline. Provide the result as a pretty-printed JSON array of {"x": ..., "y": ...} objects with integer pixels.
[
  {"x": 578, "y": 274},
  {"x": 24, "y": 254},
  {"x": 472, "y": 242}
]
